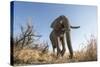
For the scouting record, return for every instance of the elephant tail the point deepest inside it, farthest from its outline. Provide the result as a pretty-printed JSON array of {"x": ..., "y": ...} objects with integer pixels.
[{"x": 74, "y": 27}]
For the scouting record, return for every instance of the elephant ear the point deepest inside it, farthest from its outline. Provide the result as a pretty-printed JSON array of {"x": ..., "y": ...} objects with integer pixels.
[{"x": 54, "y": 23}]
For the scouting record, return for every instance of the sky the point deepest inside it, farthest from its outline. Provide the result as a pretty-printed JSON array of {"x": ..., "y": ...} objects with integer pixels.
[{"x": 43, "y": 14}]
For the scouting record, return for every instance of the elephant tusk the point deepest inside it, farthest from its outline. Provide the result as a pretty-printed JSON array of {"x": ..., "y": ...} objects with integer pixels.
[{"x": 74, "y": 27}]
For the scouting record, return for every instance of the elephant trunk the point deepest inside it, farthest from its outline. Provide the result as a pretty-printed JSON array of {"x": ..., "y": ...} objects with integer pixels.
[{"x": 69, "y": 44}]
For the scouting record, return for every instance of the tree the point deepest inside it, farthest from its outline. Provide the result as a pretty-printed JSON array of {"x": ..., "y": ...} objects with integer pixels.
[{"x": 26, "y": 37}]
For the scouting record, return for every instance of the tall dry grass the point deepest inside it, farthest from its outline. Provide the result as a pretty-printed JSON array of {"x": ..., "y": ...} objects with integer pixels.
[
  {"x": 89, "y": 52},
  {"x": 37, "y": 56}
]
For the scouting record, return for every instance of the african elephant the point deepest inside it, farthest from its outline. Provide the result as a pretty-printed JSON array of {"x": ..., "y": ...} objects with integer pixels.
[{"x": 60, "y": 27}]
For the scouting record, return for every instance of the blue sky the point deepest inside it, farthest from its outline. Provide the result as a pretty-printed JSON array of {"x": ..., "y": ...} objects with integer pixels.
[{"x": 43, "y": 14}]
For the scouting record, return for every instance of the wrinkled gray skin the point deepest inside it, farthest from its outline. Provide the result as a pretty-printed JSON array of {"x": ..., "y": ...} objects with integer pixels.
[{"x": 60, "y": 27}]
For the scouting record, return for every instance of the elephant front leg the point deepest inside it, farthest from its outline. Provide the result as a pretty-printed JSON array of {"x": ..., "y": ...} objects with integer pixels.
[
  {"x": 63, "y": 45},
  {"x": 69, "y": 44},
  {"x": 58, "y": 47}
]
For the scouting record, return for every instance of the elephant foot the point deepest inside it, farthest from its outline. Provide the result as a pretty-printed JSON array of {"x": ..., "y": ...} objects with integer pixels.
[
  {"x": 70, "y": 56},
  {"x": 62, "y": 52},
  {"x": 58, "y": 54}
]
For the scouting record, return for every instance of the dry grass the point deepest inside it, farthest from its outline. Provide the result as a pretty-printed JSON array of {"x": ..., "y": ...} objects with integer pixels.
[
  {"x": 89, "y": 52},
  {"x": 35, "y": 56}
]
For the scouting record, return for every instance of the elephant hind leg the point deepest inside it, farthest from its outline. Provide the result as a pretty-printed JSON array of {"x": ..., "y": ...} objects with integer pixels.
[{"x": 52, "y": 39}]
